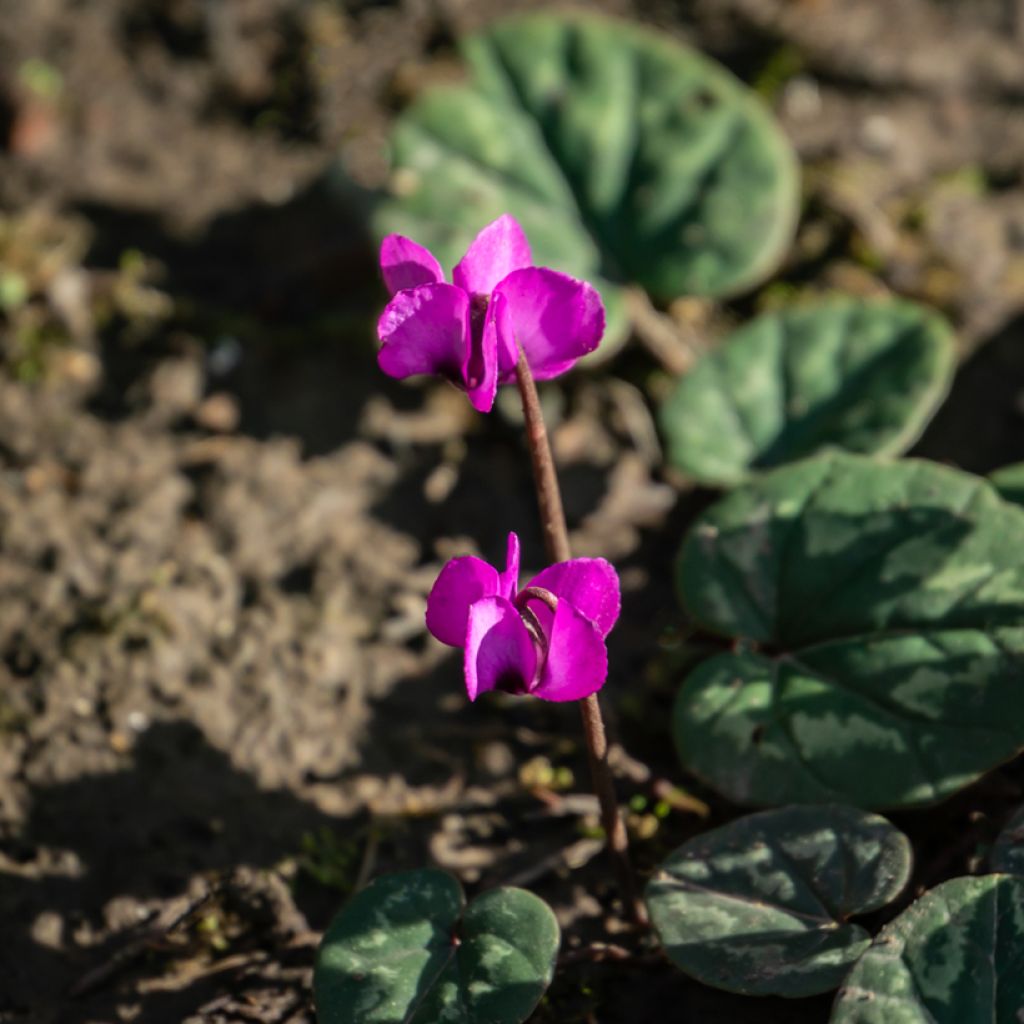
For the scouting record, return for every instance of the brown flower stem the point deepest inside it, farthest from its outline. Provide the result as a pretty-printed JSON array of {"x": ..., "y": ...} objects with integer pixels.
[{"x": 556, "y": 542}]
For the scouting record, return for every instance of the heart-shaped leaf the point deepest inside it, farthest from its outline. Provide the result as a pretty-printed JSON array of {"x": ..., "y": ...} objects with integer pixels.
[
  {"x": 847, "y": 373},
  {"x": 627, "y": 158},
  {"x": 760, "y": 906},
  {"x": 891, "y": 600},
  {"x": 953, "y": 957},
  {"x": 405, "y": 950},
  {"x": 1007, "y": 852}
]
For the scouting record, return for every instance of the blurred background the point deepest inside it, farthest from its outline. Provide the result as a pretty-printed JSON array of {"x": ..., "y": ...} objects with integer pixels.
[{"x": 219, "y": 709}]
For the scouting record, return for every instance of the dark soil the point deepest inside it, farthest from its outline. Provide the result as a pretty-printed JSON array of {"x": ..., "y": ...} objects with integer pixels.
[{"x": 219, "y": 709}]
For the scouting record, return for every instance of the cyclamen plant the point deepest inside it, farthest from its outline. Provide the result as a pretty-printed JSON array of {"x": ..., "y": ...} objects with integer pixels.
[
  {"x": 504, "y": 321},
  {"x": 501, "y": 321}
]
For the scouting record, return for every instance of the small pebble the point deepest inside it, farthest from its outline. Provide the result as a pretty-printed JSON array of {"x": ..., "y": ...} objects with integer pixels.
[
  {"x": 878, "y": 134},
  {"x": 219, "y": 413},
  {"x": 138, "y": 721},
  {"x": 440, "y": 483},
  {"x": 801, "y": 98},
  {"x": 48, "y": 930},
  {"x": 120, "y": 743}
]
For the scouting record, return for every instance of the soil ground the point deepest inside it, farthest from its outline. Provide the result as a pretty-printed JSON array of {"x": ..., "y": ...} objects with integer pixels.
[{"x": 219, "y": 710}]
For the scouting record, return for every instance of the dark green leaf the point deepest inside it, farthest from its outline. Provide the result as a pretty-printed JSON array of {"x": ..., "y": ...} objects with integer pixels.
[
  {"x": 848, "y": 373},
  {"x": 760, "y": 906},
  {"x": 954, "y": 957},
  {"x": 891, "y": 598},
  {"x": 626, "y": 157},
  {"x": 1008, "y": 850},
  {"x": 405, "y": 951}
]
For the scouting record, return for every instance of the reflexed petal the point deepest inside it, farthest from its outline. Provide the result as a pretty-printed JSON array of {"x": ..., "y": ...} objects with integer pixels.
[
  {"x": 590, "y": 585},
  {"x": 482, "y": 371},
  {"x": 425, "y": 330},
  {"x": 404, "y": 264},
  {"x": 577, "y": 662},
  {"x": 508, "y": 355},
  {"x": 499, "y": 652},
  {"x": 510, "y": 577},
  {"x": 461, "y": 582},
  {"x": 556, "y": 319},
  {"x": 498, "y": 250}
]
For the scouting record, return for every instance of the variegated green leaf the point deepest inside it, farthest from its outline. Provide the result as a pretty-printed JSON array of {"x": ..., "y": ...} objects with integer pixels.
[
  {"x": 406, "y": 950},
  {"x": 863, "y": 376},
  {"x": 879, "y": 614},
  {"x": 761, "y": 905},
  {"x": 956, "y": 956}
]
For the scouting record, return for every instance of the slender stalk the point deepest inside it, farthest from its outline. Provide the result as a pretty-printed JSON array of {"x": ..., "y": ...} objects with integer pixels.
[{"x": 556, "y": 543}]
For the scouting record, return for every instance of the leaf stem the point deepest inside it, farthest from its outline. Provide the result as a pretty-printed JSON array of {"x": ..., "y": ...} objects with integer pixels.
[{"x": 556, "y": 543}]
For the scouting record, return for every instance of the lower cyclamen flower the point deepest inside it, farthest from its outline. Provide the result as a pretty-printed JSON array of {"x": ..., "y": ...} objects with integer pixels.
[
  {"x": 547, "y": 639},
  {"x": 471, "y": 331}
]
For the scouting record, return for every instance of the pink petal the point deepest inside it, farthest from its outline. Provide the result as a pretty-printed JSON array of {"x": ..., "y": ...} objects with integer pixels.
[
  {"x": 499, "y": 652},
  {"x": 426, "y": 330},
  {"x": 590, "y": 585},
  {"x": 498, "y": 250},
  {"x": 510, "y": 577},
  {"x": 459, "y": 584},
  {"x": 404, "y": 264},
  {"x": 556, "y": 319},
  {"x": 482, "y": 371},
  {"x": 508, "y": 355},
  {"x": 577, "y": 661}
]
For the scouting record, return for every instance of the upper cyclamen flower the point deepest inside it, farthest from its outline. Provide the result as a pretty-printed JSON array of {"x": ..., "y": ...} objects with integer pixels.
[
  {"x": 468, "y": 331},
  {"x": 546, "y": 639}
]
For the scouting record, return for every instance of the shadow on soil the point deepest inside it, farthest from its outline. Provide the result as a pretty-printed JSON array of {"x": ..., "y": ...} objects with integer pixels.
[
  {"x": 300, "y": 359},
  {"x": 178, "y": 803},
  {"x": 980, "y": 427}
]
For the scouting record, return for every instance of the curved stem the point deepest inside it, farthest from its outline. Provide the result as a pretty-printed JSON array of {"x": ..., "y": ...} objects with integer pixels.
[
  {"x": 524, "y": 597},
  {"x": 556, "y": 543}
]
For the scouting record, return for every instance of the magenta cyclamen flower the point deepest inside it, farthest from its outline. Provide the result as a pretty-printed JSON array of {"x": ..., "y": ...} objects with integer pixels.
[
  {"x": 468, "y": 331},
  {"x": 546, "y": 639}
]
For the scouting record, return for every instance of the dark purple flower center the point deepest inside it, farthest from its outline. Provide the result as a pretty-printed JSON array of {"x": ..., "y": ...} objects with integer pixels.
[{"x": 512, "y": 681}]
